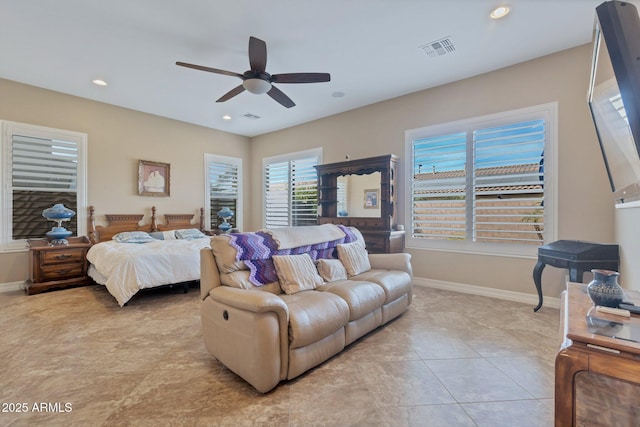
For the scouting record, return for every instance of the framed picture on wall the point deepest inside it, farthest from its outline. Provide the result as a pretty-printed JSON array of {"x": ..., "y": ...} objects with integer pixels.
[
  {"x": 153, "y": 178},
  {"x": 371, "y": 198}
]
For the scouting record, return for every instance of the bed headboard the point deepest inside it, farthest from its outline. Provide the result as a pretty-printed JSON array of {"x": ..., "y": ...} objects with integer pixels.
[
  {"x": 131, "y": 222},
  {"x": 179, "y": 221}
]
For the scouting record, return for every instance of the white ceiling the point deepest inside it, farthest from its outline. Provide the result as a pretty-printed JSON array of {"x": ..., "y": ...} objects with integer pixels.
[{"x": 371, "y": 48}]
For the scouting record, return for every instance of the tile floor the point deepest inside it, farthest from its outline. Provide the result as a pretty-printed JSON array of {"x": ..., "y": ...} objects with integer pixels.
[{"x": 451, "y": 360}]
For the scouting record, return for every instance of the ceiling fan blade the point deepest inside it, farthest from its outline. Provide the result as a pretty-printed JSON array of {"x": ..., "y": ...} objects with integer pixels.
[
  {"x": 279, "y": 96},
  {"x": 209, "y": 69},
  {"x": 257, "y": 54},
  {"x": 301, "y": 78},
  {"x": 233, "y": 92}
]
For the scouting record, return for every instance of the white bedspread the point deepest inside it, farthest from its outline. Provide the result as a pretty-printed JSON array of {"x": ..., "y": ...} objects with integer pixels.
[{"x": 125, "y": 268}]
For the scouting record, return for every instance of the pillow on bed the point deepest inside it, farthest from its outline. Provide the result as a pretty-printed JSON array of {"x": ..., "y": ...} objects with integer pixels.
[
  {"x": 163, "y": 235},
  {"x": 189, "y": 234},
  {"x": 133, "y": 237},
  {"x": 296, "y": 273}
]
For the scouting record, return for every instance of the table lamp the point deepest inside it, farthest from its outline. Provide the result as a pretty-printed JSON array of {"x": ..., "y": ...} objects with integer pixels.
[
  {"x": 58, "y": 234},
  {"x": 225, "y": 213}
]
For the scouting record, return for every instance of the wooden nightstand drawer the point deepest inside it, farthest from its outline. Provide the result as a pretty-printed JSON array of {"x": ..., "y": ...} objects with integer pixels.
[
  {"x": 57, "y": 267},
  {"x": 61, "y": 271},
  {"x": 66, "y": 256}
]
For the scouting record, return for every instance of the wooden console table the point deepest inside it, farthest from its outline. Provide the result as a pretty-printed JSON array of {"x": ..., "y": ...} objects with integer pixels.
[{"x": 597, "y": 377}]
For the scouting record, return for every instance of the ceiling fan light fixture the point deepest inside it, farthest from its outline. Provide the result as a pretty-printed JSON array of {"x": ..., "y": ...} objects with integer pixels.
[{"x": 257, "y": 86}]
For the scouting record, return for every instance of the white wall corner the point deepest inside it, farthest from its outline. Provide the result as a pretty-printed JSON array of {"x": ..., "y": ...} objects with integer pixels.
[{"x": 531, "y": 299}]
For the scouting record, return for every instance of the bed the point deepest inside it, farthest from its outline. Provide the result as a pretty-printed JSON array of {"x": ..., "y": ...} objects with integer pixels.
[{"x": 128, "y": 255}]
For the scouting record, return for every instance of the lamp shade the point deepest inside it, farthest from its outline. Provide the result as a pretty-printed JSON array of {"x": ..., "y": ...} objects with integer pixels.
[
  {"x": 58, "y": 212},
  {"x": 257, "y": 86},
  {"x": 225, "y": 213}
]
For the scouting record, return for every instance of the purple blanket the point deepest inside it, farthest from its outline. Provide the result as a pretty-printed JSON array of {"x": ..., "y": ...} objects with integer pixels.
[{"x": 257, "y": 249}]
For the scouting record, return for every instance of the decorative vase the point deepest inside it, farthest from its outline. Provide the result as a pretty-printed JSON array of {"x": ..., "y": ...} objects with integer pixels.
[{"x": 604, "y": 289}]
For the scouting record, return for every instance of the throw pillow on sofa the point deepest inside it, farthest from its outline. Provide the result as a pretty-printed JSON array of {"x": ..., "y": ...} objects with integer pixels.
[
  {"x": 296, "y": 273},
  {"x": 331, "y": 269},
  {"x": 354, "y": 257}
]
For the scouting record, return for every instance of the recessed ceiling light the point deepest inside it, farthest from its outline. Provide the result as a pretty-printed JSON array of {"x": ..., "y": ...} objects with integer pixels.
[
  {"x": 226, "y": 117},
  {"x": 500, "y": 12},
  {"x": 99, "y": 82}
]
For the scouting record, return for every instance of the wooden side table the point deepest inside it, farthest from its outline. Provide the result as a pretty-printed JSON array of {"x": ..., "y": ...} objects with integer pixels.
[
  {"x": 57, "y": 267},
  {"x": 577, "y": 257},
  {"x": 612, "y": 363}
]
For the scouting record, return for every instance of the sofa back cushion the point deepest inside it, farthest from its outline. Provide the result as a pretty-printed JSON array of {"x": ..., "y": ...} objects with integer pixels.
[
  {"x": 354, "y": 257},
  {"x": 331, "y": 270},
  {"x": 296, "y": 273}
]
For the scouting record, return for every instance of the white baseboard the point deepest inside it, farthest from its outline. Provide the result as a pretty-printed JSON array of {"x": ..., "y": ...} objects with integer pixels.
[
  {"x": 487, "y": 292},
  {"x": 11, "y": 286}
]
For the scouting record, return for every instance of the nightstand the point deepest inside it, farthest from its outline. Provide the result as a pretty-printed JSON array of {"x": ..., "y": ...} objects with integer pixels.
[{"x": 57, "y": 267}]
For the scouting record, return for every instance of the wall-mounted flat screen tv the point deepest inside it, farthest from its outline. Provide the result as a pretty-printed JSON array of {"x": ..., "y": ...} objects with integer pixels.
[{"x": 614, "y": 96}]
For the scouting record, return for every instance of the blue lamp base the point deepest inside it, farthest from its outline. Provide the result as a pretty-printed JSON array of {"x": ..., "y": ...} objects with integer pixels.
[{"x": 58, "y": 236}]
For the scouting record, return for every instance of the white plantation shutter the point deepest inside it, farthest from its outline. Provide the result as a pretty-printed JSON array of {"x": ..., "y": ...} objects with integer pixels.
[
  {"x": 277, "y": 195},
  {"x": 43, "y": 164},
  {"x": 40, "y": 167},
  {"x": 223, "y": 187},
  {"x": 439, "y": 195},
  {"x": 482, "y": 182},
  {"x": 304, "y": 186},
  {"x": 291, "y": 191},
  {"x": 508, "y": 183}
]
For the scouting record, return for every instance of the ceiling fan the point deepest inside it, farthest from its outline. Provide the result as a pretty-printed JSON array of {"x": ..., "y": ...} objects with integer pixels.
[{"x": 257, "y": 80}]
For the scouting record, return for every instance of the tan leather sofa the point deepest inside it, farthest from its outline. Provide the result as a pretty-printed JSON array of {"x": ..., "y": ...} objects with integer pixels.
[{"x": 266, "y": 335}]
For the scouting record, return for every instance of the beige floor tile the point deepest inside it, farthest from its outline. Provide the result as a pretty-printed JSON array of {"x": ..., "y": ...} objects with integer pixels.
[{"x": 445, "y": 362}]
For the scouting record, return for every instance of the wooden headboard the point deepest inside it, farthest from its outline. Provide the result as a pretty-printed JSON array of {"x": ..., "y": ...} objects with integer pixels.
[
  {"x": 179, "y": 221},
  {"x": 131, "y": 222}
]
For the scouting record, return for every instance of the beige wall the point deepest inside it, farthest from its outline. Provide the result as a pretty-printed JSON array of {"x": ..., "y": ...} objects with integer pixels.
[
  {"x": 117, "y": 139},
  {"x": 379, "y": 129}
]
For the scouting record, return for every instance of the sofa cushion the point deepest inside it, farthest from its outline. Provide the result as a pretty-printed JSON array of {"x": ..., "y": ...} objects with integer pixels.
[
  {"x": 314, "y": 315},
  {"x": 240, "y": 279},
  {"x": 296, "y": 273},
  {"x": 361, "y": 297},
  {"x": 331, "y": 269},
  {"x": 394, "y": 282},
  {"x": 354, "y": 257},
  {"x": 225, "y": 255}
]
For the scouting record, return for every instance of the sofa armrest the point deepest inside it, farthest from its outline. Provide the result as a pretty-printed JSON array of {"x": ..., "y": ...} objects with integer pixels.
[
  {"x": 209, "y": 274},
  {"x": 248, "y": 331},
  {"x": 249, "y": 300},
  {"x": 397, "y": 261}
]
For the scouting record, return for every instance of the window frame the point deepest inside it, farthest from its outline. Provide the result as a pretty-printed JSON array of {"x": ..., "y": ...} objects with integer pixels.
[
  {"x": 235, "y": 161},
  {"x": 548, "y": 112},
  {"x": 9, "y": 128},
  {"x": 298, "y": 155}
]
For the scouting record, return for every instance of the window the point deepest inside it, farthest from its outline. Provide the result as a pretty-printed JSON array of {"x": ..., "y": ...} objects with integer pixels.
[
  {"x": 223, "y": 187},
  {"x": 483, "y": 184},
  {"x": 290, "y": 189},
  {"x": 40, "y": 167}
]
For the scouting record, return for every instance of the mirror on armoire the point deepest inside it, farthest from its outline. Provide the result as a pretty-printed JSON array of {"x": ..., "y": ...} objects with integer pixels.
[{"x": 362, "y": 193}]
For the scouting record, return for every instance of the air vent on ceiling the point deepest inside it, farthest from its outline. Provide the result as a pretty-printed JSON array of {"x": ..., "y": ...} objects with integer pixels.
[
  {"x": 251, "y": 116},
  {"x": 438, "y": 47}
]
